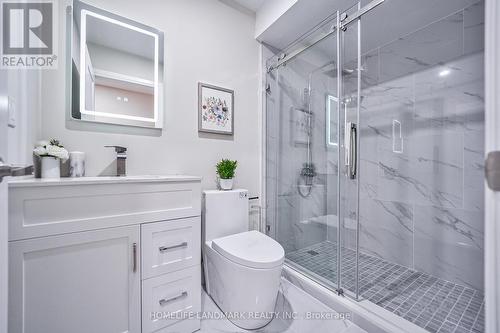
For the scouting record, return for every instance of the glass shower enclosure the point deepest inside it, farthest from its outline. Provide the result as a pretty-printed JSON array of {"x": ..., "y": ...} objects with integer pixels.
[{"x": 374, "y": 158}]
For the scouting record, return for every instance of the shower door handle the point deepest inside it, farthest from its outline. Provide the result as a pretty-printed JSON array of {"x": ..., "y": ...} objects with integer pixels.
[
  {"x": 492, "y": 170},
  {"x": 351, "y": 146}
]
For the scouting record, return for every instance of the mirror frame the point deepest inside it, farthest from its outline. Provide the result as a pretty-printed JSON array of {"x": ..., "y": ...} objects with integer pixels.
[{"x": 83, "y": 10}]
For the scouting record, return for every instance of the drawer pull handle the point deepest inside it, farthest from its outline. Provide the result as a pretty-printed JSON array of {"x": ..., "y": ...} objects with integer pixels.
[
  {"x": 166, "y": 248},
  {"x": 134, "y": 257},
  {"x": 164, "y": 301}
]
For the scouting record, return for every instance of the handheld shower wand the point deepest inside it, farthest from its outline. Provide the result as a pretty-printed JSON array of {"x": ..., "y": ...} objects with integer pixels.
[{"x": 308, "y": 171}]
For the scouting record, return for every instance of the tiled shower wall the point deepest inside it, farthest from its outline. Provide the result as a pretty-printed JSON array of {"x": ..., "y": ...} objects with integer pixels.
[
  {"x": 295, "y": 220},
  {"x": 422, "y": 150},
  {"x": 422, "y": 133}
]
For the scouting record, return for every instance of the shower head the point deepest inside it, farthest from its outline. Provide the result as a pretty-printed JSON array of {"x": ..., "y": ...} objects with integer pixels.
[
  {"x": 352, "y": 101},
  {"x": 333, "y": 72}
]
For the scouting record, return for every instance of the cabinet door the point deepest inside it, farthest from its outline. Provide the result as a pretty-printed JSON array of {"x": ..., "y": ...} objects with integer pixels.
[{"x": 81, "y": 282}]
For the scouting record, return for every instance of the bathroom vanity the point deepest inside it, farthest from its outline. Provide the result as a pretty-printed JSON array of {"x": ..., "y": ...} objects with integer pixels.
[{"x": 104, "y": 254}]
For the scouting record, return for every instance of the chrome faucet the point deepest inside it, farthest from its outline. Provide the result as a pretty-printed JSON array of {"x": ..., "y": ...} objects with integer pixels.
[{"x": 121, "y": 160}]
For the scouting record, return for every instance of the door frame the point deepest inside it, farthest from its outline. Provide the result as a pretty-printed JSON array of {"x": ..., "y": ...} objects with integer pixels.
[
  {"x": 492, "y": 142},
  {"x": 4, "y": 149}
]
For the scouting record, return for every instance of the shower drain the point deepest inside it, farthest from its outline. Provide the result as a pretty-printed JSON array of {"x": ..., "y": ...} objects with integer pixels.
[{"x": 312, "y": 252}]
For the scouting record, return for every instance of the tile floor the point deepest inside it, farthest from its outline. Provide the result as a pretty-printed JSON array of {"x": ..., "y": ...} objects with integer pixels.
[
  {"x": 291, "y": 300},
  {"x": 429, "y": 302}
]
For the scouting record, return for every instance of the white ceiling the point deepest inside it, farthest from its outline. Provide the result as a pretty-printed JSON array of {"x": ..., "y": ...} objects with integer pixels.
[
  {"x": 387, "y": 22},
  {"x": 247, "y": 5},
  {"x": 253, "y": 5}
]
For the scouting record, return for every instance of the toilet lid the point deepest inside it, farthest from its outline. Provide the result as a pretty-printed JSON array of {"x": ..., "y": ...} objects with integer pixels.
[{"x": 251, "y": 249}]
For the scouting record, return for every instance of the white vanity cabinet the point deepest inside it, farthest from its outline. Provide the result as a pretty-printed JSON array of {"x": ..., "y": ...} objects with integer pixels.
[{"x": 104, "y": 255}]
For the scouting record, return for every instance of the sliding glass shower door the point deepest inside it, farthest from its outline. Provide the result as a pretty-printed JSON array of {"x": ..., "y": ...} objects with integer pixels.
[
  {"x": 302, "y": 159},
  {"x": 311, "y": 155}
]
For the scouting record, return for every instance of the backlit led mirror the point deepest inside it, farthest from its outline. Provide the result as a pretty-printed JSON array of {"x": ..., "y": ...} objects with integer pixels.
[{"x": 116, "y": 69}]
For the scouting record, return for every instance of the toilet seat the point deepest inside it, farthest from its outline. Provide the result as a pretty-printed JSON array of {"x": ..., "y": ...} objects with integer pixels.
[{"x": 251, "y": 249}]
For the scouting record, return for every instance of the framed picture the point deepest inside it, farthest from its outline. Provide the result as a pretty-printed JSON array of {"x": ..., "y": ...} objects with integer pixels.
[{"x": 216, "y": 109}]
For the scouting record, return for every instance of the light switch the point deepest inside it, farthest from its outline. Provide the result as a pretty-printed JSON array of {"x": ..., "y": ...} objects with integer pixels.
[{"x": 12, "y": 113}]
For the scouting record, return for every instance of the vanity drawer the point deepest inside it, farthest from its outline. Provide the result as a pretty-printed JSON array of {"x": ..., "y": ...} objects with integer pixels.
[
  {"x": 170, "y": 246},
  {"x": 177, "y": 294}
]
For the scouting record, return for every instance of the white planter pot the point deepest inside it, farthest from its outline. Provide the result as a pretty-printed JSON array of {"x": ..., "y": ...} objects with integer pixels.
[
  {"x": 226, "y": 184},
  {"x": 51, "y": 168}
]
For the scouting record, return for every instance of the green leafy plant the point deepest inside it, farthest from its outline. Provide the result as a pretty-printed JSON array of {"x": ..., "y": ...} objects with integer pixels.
[{"x": 226, "y": 168}]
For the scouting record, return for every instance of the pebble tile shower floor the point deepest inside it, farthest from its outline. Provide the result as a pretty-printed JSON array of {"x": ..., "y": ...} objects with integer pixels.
[{"x": 427, "y": 301}]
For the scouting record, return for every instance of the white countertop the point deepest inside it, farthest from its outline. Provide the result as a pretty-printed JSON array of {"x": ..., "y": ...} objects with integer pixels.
[{"x": 31, "y": 181}]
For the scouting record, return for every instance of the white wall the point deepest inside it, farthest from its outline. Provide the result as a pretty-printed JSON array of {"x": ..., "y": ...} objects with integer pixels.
[
  {"x": 206, "y": 41},
  {"x": 270, "y": 12}
]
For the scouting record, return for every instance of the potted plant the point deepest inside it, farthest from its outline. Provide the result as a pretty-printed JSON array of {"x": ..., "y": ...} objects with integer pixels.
[
  {"x": 225, "y": 171},
  {"x": 51, "y": 153}
]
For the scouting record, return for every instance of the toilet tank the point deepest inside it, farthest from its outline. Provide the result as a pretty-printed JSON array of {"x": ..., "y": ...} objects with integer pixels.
[{"x": 224, "y": 213}]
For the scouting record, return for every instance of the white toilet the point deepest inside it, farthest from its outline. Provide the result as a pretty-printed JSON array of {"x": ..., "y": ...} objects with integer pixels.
[{"x": 242, "y": 268}]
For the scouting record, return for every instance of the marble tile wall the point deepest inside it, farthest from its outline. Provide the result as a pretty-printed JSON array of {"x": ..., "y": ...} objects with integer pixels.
[{"x": 422, "y": 147}]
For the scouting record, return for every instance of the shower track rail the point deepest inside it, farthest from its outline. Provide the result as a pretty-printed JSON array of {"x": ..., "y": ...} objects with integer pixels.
[{"x": 283, "y": 59}]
